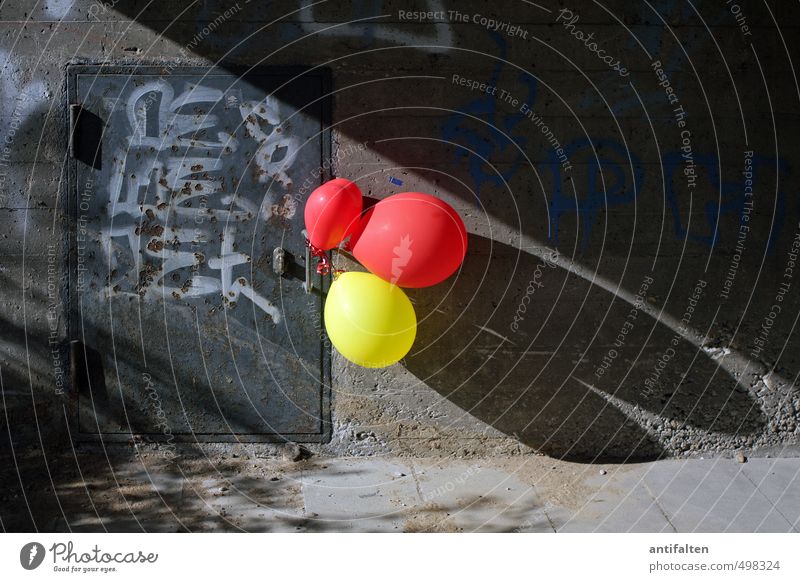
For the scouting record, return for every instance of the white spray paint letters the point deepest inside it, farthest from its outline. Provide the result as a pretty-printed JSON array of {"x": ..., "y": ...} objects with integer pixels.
[{"x": 181, "y": 156}]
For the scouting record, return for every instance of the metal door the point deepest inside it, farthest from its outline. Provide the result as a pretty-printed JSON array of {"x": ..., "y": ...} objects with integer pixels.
[{"x": 183, "y": 182}]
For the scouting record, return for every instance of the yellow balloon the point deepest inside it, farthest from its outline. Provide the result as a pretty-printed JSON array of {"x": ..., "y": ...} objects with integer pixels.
[{"x": 370, "y": 321}]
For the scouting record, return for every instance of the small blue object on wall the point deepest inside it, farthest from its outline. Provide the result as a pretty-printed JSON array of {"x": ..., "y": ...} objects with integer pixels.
[{"x": 395, "y": 181}]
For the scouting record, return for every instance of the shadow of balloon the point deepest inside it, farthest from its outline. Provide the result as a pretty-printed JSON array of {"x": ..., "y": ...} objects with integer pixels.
[{"x": 538, "y": 380}]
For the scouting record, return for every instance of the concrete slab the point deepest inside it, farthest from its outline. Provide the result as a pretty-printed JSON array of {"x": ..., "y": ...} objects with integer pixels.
[
  {"x": 358, "y": 494},
  {"x": 243, "y": 495},
  {"x": 476, "y": 497},
  {"x": 711, "y": 496},
  {"x": 146, "y": 497},
  {"x": 779, "y": 481},
  {"x": 148, "y": 492},
  {"x": 621, "y": 503}
]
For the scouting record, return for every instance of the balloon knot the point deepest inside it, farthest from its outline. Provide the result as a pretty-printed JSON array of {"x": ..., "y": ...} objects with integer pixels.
[{"x": 324, "y": 264}]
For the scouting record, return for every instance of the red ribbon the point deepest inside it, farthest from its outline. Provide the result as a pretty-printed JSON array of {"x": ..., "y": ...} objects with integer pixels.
[{"x": 324, "y": 264}]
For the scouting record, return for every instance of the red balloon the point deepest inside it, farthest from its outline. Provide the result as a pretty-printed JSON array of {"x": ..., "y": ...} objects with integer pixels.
[
  {"x": 411, "y": 239},
  {"x": 330, "y": 211}
]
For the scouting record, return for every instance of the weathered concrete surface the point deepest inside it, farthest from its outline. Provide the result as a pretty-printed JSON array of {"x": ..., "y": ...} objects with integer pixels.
[
  {"x": 475, "y": 385},
  {"x": 207, "y": 493}
]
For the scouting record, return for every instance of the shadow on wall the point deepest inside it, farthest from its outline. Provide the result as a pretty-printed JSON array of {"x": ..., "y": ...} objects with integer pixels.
[{"x": 538, "y": 380}]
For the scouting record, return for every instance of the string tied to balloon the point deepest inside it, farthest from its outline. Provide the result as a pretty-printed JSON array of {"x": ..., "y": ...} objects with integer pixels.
[{"x": 323, "y": 262}]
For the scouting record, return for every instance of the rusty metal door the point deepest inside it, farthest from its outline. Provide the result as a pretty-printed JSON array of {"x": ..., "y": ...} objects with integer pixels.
[{"x": 183, "y": 183}]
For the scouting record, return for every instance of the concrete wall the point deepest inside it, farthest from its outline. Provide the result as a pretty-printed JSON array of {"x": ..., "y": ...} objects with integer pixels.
[{"x": 604, "y": 309}]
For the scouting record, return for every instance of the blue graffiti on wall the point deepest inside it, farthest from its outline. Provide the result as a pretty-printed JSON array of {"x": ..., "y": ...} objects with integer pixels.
[
  {"x": 606, "y": 184},
  {"x": 729, "y": 202},
  {"x": 488, "y": 140},
  {"x": 661, "y": 45},
  {"x": 621, "y": 185}
]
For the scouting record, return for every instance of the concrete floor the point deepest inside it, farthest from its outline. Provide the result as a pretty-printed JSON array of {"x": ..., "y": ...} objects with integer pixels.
[{"x": 147, "y": 492}]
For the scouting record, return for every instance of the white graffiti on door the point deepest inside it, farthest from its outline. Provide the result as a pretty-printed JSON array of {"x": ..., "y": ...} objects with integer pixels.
[
  {"x": 188, "y": 194},
  {"x": 277, "y": 150}
]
